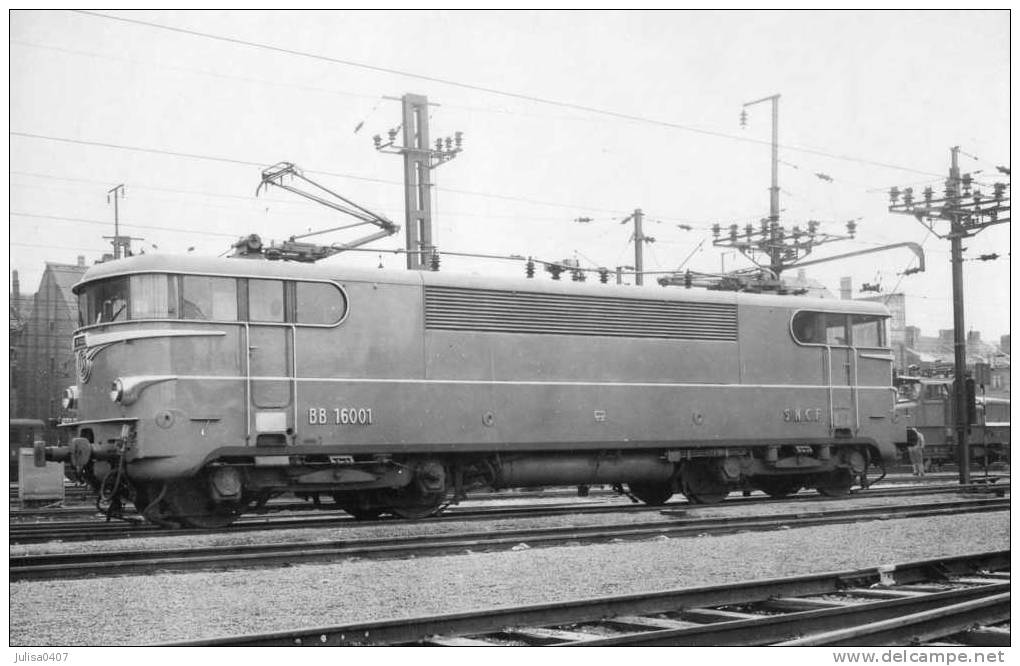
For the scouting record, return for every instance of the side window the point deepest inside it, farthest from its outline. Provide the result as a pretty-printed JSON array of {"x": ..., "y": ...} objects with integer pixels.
[
  {"x": 868, "y": 330},
  {"x": 212, "y": 298},
  {"x": 835, "y": 329},
  {"x": 319, "y": 303},
  {"x": 265, "y": 300},
  {"x": 808, "y": 327},
  {"x": 153, "y": 297}
]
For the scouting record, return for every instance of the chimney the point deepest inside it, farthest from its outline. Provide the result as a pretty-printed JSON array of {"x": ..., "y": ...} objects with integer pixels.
[
  {"x": 846, "y": 288},
  {"x": 81, "y": 260},
  {"x": 15, "y": 287}
]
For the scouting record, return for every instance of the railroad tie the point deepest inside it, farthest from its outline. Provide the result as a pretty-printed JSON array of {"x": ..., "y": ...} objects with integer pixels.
[
  {"x": 798, "y": 604},
  {"x": 983, "y": 637},
  {"x": 711, "y": 615},
  {"x": 543, "y": 636},
  {"x": 884, "y": 593},
  {"x": 644, "y": 623},
  {"x": 455, "y": 641},
  {"x": 975, "y": 580}
]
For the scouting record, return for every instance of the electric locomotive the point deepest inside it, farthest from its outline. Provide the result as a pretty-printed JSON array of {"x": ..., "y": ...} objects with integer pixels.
[
  {"x": 926, "y": 403},
  {"x": 207, "y": 386}
]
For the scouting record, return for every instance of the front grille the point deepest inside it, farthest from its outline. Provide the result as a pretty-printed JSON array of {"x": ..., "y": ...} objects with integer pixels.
[{"x": 460, "y": 309}]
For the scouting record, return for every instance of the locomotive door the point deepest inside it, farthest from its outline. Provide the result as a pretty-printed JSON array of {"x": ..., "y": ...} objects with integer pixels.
[
  {"x": 270, "y": 360},
  {"x": 842, "y": 378}
]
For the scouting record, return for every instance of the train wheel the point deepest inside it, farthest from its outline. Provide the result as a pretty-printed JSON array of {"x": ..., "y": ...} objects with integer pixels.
[
  {"x": 652, "y": 494},
  {"x": 413, "y": 503},
  {"x": 354, "y": 506},
  {"x": 189, "y": 503},
  {"x": 430, "y": 504},
  {"x": 701, "y": 485},
  {"x": 777, "y": 486},
  {"x": 836, "y": 484}
]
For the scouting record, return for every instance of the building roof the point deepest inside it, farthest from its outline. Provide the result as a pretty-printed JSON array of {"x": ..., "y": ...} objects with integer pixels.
[
  {"x": 934, "y": 350},
  {"x": 65, "y": 276}
]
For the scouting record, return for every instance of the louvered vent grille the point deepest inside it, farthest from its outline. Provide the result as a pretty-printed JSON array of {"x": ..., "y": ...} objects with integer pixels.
[{"x": 457, "y": 309}]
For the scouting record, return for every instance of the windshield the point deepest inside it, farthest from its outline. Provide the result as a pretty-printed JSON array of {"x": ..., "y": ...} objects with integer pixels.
[
  {"x": 209, "y": 298},
  {"x": 135, "y": 297},
  {"x": 103, "y": 302}
]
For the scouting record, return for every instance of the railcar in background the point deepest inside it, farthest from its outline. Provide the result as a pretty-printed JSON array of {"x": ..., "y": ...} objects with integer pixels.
[
  {"x": 926, "y": 403},
  {"x": 206, "y": 386}
]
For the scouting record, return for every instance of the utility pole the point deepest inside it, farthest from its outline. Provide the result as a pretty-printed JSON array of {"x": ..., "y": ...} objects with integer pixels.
[
  {"x": 968, "y": 212},
  {"x": 419, "y": 160},
  {"x": 639, "y": 240},
  {"x": 774, "y": 189},
  {"x": 121, "y": 244},
  {"x": 781, "y": 248},
  {"x": 771, "y": 246}
]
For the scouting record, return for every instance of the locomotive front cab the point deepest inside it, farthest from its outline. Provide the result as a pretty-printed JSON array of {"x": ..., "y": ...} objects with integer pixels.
[
  {"x": 856, "y": 362},
  {"x": 846, "y": 412},
  {"x": 186, "y": 376}
]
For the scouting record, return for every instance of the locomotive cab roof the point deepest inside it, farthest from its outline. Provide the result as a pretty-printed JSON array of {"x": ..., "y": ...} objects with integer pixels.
[{"x": 264, "y": 269}]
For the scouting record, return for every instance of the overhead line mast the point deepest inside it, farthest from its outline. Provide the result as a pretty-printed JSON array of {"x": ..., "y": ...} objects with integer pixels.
[
  {"x": 419, "y": 160},
  {"x": 968, "y": 212}
]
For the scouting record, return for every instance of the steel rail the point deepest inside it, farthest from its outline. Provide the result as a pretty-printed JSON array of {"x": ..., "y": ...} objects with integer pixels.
[
  {"x": 919, "y": 626},
  {"x": 72, "y": 565},
  {"x": 83, "y": 493},
  {"x": 99, "y": 528},
  {"x": 636, "y": 611}
]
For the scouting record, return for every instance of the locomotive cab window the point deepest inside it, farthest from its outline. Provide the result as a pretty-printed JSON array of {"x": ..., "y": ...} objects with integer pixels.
[
  {"x": 836, "y": 330},
  {"x": 319, "y": 303},
  {"x": 820, "y": 328},
  {"x": 211, "y": 298},
  {"x": 104, "y": 302},
  {"x": 265, "y": 300},
  {"x": 868, "y": 330},
  {"x": 839, "y": 330},
  {"x": 153, "y": 297}
]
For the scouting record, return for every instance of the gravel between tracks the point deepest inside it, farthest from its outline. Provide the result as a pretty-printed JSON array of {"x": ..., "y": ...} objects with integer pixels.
[{"x": 168, "y": 607}]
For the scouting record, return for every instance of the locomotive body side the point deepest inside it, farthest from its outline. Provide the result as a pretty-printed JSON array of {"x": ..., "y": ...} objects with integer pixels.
[
  {"x": 389, "y": 390},
  {"x": 927, "y": 404}
]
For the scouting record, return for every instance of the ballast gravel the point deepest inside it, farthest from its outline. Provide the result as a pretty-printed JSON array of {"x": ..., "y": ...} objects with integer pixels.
[{"x": 141, "y": 610}]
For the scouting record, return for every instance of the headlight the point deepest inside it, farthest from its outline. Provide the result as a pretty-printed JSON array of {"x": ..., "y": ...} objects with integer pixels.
[
  {"x": 69, "y": 400},
  {"x": 126, "y": 390}
]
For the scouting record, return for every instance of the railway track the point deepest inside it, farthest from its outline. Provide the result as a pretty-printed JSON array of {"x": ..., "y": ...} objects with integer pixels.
[
  {"x": 74, "y": 495},
  {"x": 958, "y": 599},
  {"x": 124, "y": 562},
  {"x": 97, "y": 528}
]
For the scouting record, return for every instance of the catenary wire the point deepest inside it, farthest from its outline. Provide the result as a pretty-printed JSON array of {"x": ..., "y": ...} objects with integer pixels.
[{"x": 494, "y": 91}]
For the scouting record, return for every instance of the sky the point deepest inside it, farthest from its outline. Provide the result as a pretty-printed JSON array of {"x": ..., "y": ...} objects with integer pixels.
[{"x": 565, "y": 115}]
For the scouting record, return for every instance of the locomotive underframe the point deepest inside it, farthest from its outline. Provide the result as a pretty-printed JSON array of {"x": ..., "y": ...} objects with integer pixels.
[{"x": 231, "y": 478}]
